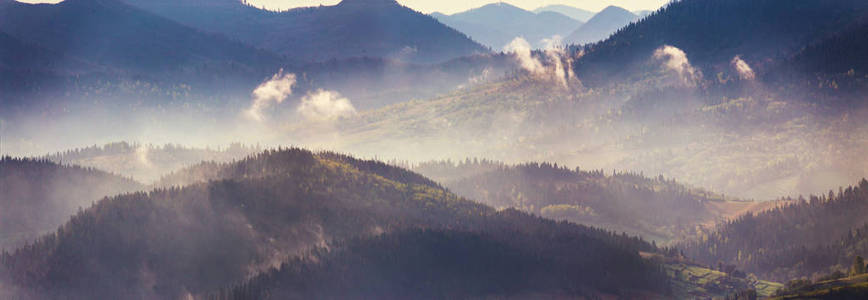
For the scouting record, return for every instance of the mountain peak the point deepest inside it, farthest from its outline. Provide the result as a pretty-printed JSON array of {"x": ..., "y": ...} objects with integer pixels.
[{"x": 368, "y": 3}]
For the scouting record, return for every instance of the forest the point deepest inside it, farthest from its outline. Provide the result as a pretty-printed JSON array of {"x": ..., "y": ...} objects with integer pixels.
[{"x": 397, "y": 149}]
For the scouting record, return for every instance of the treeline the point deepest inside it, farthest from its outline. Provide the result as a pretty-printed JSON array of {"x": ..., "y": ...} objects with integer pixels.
[
  {"x": 803, "y": 238},
  {"x": 656, "y": 208},
  {"x": 147, "y": 162},
  {"x": 37, "y": 195},
  {"x": 253, "y": 214}
]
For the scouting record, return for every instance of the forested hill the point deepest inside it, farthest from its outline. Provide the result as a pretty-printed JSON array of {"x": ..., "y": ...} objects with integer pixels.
[
  {"x": 712, "y": 32},
  {"x": 808, "y": 238},
  {"x": 257, "y": 213},
  {"x": 352, "y": 28},
  {"x": 37, "y": 196},
  {"x": 655, "y": 208}
]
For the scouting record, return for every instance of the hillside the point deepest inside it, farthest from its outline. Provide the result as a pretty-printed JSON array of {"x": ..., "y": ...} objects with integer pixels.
[
  {"x": 37, "y": 196},
  {"x": 352, "y": 28},
  {"x": 841, "y": 53},
  {"x": 712, "y": 32},
  {"x": 496, "y": 25},
  {"x": 603, "y": 24},
  {"x": 516, "y": 256},
  {"x": 802, "y": 238},
  {"x": 657, "y": 209},
  {"x": 256, "y": 213}
]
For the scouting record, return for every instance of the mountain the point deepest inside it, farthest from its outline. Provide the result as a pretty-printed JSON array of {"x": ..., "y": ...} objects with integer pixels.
[
  {"x": 655, "y": 208},
  {"x": 214, "y": 225},
  {"x": 799, "y": 238},
  {"x": 603, "y": 24},
  {"x": 569, "y": 11},
  {"x": 712, "y": 33},
  {"x": 352, "y": 28},
  {"x": 37, "y": 196},
  {"x": 497, "y": 24},
  {"x": 137, "y": 41}
]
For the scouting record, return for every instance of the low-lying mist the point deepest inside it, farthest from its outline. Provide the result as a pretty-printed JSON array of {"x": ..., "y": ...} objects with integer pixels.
[{"x": 728, "y": 132}]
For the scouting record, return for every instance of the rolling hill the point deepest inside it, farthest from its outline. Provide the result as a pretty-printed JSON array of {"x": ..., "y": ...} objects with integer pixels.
[
  {"x": 352, "y": 28},
  {"x": 603, "y": 24},
  {"x": 655, "y": 208},
  {"x": 231, "y": 221},
  {"x": 802, "y": 238},
  {"x": 497, "y": 24},
  {"x": 37, "y": 196}
]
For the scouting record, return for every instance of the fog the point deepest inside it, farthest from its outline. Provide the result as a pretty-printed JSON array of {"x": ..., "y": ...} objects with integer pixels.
[{"x": 760, "y": 144}]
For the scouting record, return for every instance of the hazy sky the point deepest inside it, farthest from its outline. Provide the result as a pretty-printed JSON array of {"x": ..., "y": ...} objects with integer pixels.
[{"x": 453, "y": 6}]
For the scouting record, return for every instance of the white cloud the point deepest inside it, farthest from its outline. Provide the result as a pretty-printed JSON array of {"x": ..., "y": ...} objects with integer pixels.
[
  {"x": 325, "y": 106},
  {"x": 744, "y": 70},
  {"x": 676, "y": 60},
  {"x": 558, "y": 67},
  {"x": 275, "y": 90},
  {"x": 520, "y": 48}
]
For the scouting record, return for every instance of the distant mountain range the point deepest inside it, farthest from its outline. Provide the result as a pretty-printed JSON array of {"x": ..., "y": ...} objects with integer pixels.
[
  {"x": 601, "y": 25},
  {"x": 495, "y": 25},
  {"x": 569, "y": 11},
  {"x": 352, "y": 28}
]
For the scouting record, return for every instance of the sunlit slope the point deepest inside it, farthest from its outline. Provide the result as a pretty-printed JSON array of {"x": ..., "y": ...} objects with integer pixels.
[{"x": 658, "y": 209}]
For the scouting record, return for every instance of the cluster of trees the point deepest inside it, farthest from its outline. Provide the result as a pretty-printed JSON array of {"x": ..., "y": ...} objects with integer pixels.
[
  {"x": 37, "y": 195},
  {"x": 800, "y": 238},
  {"x": 657, "y": 208},
  {"x": 253, "y": 214}
]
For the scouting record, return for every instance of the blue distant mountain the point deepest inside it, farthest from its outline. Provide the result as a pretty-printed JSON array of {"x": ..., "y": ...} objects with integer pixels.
[{"x": 495, "y": 25}]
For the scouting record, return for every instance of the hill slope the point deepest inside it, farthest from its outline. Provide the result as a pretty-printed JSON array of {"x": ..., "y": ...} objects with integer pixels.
[
  {"x": 658, "y": 209},
  {"x": 802, "y": 238},
  {"x": 252, "y": 215},
  {"x": 352, "y": 28},
  {"x": 713, "y": 32},
  {"x": 603, "y": 24},
  {"x": 497, "y": 24},
  {"x": 37, "y": 196},
  {"x": 516, "y": 256}
]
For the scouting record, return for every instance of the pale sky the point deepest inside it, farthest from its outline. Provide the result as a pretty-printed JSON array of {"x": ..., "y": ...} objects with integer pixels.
[{"x": 453, "y": 6}]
